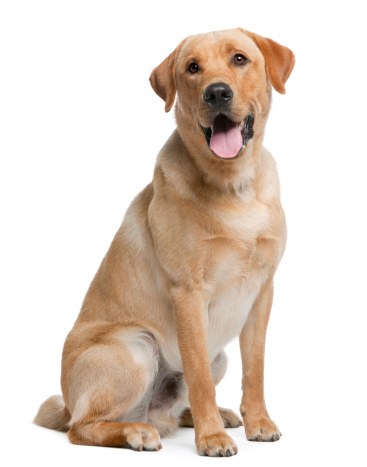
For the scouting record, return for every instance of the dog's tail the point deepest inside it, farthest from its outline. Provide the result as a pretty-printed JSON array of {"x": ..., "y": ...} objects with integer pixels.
[{"x": 53, "y": 414}]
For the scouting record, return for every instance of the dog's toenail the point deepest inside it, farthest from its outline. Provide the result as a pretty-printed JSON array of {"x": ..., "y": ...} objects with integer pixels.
[
  {"x": 140, "y": 448},
  {"x": 221, "y": 452},
  {"x": 228, "y": 453}
]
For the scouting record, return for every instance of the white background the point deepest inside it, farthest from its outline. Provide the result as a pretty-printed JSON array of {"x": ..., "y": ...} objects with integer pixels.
[{"x": 79, "y": 132}]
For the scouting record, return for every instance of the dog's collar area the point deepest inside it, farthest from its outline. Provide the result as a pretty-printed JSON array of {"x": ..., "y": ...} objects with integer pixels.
[{"x": 224, "y": 130}]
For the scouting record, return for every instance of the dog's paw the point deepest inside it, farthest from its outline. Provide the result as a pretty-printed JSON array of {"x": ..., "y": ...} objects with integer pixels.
[
  {"x": 216, "y": 445},
  {"x": 140, "y": 436},
  {"x": 261, "y": 429},
  {"x": 229, "y": 418}
]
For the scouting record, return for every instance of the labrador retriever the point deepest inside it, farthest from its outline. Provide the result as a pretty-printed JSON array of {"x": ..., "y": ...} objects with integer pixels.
[{"x": 190, "y": 268}]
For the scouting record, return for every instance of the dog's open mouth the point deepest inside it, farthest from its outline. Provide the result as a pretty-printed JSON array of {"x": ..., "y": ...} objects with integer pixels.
[{"x": 226, "y": 138}]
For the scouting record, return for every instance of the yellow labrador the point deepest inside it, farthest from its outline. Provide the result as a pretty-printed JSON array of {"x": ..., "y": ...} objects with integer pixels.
[{"x": 191, "y": 266}]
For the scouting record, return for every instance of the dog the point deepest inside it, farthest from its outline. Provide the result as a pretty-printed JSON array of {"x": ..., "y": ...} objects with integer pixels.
[{"x": 190, "y": 268}]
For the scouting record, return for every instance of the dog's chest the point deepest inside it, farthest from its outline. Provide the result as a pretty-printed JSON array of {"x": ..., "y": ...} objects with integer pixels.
[
  {"x": 228, "y": 313},
  {"x": 236, "y": 270}
]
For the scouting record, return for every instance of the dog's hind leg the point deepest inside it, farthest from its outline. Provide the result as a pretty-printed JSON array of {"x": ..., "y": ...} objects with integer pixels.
[
  {"x": 109, "y": 380},
  {"x": 137, "y": 436}
]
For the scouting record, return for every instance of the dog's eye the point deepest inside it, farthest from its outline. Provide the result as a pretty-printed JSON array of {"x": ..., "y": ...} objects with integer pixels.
[
  {"x": 240, "y": 59},
  {"x": 193, "y": 68}
]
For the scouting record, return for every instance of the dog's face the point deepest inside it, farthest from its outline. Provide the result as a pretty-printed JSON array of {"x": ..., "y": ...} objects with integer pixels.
[{"x": 222, "y": 81}]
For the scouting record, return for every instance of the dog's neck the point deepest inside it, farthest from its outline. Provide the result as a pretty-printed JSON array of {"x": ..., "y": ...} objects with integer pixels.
[{"x": 201, "y": 178}]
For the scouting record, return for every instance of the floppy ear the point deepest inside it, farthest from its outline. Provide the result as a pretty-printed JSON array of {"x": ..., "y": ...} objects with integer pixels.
[
  {"x": 279, "y": 60},
  {"x": 163, "y": 79}
]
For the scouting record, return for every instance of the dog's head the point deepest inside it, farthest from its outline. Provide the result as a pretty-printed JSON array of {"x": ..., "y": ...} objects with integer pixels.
[{"x": 222, "y": 80}]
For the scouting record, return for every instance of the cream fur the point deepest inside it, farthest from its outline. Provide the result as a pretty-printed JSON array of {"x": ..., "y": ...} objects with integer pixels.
[{"x": 190, "y": 268}]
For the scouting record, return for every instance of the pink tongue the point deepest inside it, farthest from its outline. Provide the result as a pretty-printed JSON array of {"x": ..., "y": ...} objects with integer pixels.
[{"x": 226, "y": 140}]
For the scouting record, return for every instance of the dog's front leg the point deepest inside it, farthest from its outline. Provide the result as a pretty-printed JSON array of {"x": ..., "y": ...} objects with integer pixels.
[
  {"x": 258, "y": 424},
  {"x": 190, "y": 315}
]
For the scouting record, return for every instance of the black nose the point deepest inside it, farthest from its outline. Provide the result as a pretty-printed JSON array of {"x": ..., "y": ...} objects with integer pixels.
[{"x": 218, "y": 94}]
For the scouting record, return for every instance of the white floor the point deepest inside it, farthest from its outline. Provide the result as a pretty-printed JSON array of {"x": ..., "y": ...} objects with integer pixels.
[{"x": 325, "y": 445}]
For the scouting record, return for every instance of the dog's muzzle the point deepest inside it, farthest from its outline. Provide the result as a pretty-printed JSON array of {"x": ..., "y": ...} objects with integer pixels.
[{"x": 227, "y": 138}]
